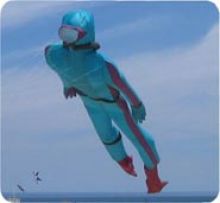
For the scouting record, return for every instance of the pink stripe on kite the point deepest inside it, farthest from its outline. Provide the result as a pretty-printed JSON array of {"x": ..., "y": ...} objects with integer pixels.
[
  {"x": 81, "y": 32},
  {"x": 120, "y": 83},
  {"x": 123, "y": 105}
]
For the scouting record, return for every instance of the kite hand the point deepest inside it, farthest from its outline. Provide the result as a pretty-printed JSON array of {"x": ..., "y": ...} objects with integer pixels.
[
  {"x": 138, "y": 113},
  {"x": 69, "y": 92}
]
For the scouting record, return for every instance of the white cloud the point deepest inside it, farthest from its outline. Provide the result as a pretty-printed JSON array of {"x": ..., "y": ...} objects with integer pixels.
[
  {"x": 21, "y": 12},
  {"x": 168, "y": 82},
  {"x": 136, "y": 26}
]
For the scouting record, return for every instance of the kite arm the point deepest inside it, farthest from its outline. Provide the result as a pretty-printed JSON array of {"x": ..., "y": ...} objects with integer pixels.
[{"x": 119, "y": 81}]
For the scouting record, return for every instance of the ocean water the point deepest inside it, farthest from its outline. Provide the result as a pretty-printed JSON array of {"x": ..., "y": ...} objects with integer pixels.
[{"x": 111, "y": 197}]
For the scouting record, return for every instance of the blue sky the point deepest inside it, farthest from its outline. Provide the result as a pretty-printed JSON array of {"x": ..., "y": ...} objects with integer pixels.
[{"x": 169, "y": 53}]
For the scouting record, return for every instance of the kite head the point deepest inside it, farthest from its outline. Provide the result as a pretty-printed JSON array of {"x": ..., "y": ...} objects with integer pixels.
[{"x": 77, "y": 28}]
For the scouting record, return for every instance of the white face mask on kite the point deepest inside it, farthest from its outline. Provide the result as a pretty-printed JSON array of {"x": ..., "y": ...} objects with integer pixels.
[{"x": 70, "y": 34}]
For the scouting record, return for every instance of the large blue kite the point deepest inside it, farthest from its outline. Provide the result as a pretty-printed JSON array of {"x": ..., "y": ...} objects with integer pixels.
[{"x": 105, "y": 93}]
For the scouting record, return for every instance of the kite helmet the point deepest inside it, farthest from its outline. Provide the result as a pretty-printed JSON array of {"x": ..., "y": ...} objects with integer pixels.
[{"x": 77, "y": 28}]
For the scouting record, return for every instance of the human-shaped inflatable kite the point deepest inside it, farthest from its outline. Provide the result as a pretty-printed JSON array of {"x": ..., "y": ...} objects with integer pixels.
[{"x": 105, "y": 94}]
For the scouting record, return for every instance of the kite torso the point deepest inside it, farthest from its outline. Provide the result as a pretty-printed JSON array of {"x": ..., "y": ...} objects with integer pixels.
[{"x": 84, "y": 70}]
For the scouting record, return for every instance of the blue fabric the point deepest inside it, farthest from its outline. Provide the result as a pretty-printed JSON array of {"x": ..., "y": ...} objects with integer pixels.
[
  {"x": 86, "y": 70},
  {"x": 84, "y": 20}
]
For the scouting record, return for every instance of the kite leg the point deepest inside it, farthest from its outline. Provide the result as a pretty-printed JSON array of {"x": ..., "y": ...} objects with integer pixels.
[
  {"x": 143, "y": 142},
  {"x": 109, "y": 135},
  {"x": 141, "y": 139},
  {"x": 145, "y": 145}
]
